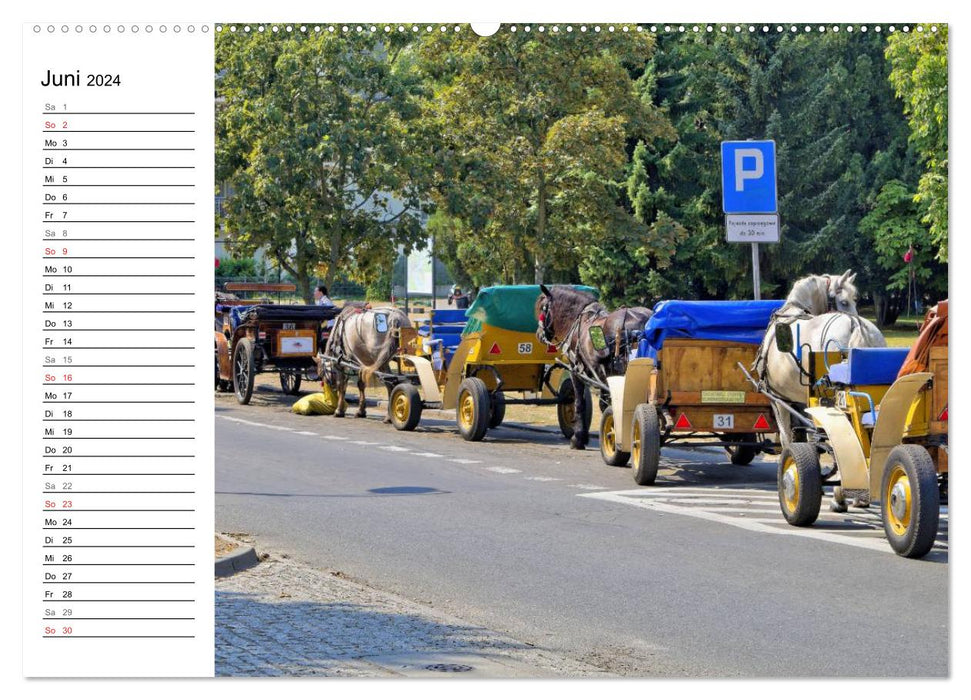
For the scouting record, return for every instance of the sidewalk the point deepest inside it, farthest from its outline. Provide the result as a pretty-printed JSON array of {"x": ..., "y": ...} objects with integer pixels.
[{"x": 282, "y": 618}]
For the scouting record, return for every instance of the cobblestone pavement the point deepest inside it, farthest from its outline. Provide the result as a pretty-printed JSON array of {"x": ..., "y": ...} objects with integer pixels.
[{"x": 282, "y": 618}]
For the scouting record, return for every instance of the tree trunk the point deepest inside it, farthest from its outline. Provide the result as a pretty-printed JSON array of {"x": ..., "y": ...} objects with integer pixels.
[
  {"x": 887, "y": 307},
  {"x": 539, "y": 261}
]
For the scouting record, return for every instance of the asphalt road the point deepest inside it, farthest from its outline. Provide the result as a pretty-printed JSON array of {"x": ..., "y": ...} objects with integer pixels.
[{"x": 696, "y": 576}]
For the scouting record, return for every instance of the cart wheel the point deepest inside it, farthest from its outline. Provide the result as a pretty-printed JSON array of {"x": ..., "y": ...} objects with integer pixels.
[
  {"x": 290, "y": 381},
  {"x": 608, "y": 443},
  {"x": 498, "y": 409},
  {"x": 565, "y": 411},
  {"x": 741, "y": 454},
  {"x": 910, "y": 501},
  {"x": 243, "y": 370},
  {"x": 800, "y": 484},
  {"x": 473, "y": 409},
  {"x": 645, "y": 443},
  {"x": 405, "y": 406}
]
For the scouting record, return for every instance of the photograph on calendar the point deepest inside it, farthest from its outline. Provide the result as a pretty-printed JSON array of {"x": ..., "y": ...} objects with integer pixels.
[{"x": 581, "y": 350}]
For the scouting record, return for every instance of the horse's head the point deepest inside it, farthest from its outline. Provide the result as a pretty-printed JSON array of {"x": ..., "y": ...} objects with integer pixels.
[
  {"x": 544, "y": 316},
  {"x": 842, "y": 292},
  {"x": 327, "y": 371}
]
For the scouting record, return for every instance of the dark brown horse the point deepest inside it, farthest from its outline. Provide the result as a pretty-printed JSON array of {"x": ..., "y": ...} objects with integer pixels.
[{"x": 565, "y": 317}]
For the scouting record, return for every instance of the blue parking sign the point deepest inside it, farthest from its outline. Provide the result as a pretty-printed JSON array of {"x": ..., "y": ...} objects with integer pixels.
[{"x": 749, "y": 177}]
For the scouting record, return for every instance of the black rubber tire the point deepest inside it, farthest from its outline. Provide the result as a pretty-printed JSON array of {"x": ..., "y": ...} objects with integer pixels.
[
  {"x": 608, "y": 446},
  {"x": 497, "y": 410},
  {"x": 564, "y": 411},
  {"x": 910, "y": 524},
  {"x": 801, "y": 494},
  {"x": 741, "y": 454},
  {"x": 290, "y": 381},
  {"x": 645, "y": 443},
  {"x": 473, "y": 409},
  {"x": 405, "y": 406},
  {"x": 244, "y": 368}
]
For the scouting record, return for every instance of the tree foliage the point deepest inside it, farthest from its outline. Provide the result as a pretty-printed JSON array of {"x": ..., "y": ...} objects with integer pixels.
[
  {"x": 313, "y": 137},
  {"x": 919, "y": 76}
]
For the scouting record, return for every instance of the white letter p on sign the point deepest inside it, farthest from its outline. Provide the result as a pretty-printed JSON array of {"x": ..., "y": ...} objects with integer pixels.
[{"x": 741, "y": 174}]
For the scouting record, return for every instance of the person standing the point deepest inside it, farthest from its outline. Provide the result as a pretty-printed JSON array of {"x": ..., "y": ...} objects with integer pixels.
[
  {"x": 320, "y": 296},
  {"x": 461, "y": 300}
]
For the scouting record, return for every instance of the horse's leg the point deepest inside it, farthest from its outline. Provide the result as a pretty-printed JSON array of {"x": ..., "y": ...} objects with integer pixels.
[
  {"x": 341, "y": 388},
  {"x": 387, "y": 415},
  {"x": 361, "y": 398},
  {"x": 580, "y": 435}
]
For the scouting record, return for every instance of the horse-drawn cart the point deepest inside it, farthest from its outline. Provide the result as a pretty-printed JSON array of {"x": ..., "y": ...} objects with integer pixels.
[
  {"x": 686, "y": 386},
  {"x": 883, "y": 423},
  {"x": 251, "y": 339},
  {"x": 472, "y": 364}
]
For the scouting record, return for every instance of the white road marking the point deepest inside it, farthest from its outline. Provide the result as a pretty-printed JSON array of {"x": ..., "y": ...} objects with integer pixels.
[
  {"x": 427, "y": 454},
  {"x": 658, "y": 499},
  {"x": 466, "y": 461},
  {"x": 587, "y": 487},
  {"x": 364, "y": 442},
  {"x": 305, "y": 432},
  {"x": 334, "y": 437},
  {"x": 259, "y": 425},
  {"x": 393, "y": 448},
  {"x": 543, "y": 478},
  {"x": 503, "y": 470}
]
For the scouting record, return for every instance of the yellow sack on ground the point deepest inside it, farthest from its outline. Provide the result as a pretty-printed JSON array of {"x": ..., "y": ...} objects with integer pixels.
[{"x": 322, "y": 404}]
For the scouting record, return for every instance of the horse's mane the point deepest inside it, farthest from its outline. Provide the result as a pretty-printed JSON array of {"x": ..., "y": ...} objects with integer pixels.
[{"x": 568, "y": 303}]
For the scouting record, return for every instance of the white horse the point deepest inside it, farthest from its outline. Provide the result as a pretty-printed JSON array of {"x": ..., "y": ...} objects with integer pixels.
[{"x": 821, "y": 310}]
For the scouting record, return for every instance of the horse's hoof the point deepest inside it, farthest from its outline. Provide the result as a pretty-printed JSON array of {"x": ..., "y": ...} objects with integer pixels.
[
  {"x": 339, "y": 414},
  {"x": 360, "y": 414},
  {"x": 576, "y": 444},
  {"x": 837, "y": 506}
]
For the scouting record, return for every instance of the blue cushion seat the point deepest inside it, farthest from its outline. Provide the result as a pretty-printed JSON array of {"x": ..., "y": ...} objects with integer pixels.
[{"x": 869, "y": 366}]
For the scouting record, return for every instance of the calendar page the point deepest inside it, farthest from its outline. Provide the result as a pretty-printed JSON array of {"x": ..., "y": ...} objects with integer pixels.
[{"x": 542, "y": 349}]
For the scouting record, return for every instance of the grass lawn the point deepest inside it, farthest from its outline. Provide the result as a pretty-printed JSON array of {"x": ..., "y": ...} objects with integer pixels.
[{"x": 902, "y": 334}]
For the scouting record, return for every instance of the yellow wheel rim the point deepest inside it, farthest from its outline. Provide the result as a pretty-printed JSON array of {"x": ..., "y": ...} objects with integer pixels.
[
  {"x": 401, "y": 409},
  {"x": 608, "y": 438},
  {"x": 790, "y": 485},
  {"x": 898, "y": 500},
  {"x": 635, "y": 443},
  {"x": 466, "y": 411}
]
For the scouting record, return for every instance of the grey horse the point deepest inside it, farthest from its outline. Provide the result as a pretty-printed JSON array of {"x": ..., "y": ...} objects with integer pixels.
[{"x": 366, "y": 339}]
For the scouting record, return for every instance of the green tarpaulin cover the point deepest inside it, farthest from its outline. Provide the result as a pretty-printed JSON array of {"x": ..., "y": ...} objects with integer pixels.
[{"x": 511, "y": 307}]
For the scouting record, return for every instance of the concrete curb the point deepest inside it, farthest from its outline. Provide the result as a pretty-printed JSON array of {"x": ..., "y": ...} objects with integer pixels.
[{"x": 240, "y": 560}]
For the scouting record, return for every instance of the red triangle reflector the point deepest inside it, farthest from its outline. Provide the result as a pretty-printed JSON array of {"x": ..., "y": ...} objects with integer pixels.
[
  {"x": 494, "y": 350},
  {"x": 943, "y": 415},
  {"x": 762, "y": 423},
  {"x": 682, "y": 422},
  {"x": 550, "y": 348}
]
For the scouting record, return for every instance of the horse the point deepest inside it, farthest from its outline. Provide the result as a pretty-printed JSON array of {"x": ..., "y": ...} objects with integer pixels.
[
  {"x": 367, "y": 339},
  {"x": 823, "y": 309},
  {"x": 565, "y": 316}
]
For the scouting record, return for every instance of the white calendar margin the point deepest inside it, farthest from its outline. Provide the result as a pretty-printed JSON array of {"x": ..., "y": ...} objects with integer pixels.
[{"x": 159, "y": 72}]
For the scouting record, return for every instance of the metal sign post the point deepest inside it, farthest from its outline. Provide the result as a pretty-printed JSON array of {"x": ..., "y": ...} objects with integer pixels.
[{"x": 750, "y": 198}]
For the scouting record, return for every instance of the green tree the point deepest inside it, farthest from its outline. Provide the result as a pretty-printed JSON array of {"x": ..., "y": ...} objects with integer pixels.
[
  {"x": 532, "y": 131},
  {"x": 313, "y": 134},
  {"x": 919, "y": 76}
]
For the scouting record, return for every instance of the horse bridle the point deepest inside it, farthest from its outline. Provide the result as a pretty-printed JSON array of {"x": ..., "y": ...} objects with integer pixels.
[{"x": 546, "y": 323}]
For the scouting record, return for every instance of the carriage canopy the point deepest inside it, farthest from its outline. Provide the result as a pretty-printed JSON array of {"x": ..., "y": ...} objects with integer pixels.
[
  {"x": 510, "y": 307},
  {"x": 734, "y": 321}
]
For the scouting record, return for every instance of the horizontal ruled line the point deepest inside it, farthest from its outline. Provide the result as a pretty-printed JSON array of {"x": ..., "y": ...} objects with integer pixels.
[
  {"x": 126, "y": 185},
  {"x": 126, "y": 456},
  {"x": 129, "y": 113},
  {"x": 113, "y": 330},
  {"x": 136, "y": 204},
  {"x": 112, "y": 294},
  {"x": 72, "y": 238},
  {"x": 119, "y": 528},
  {"x": 73, "y": 365},
  {"x": 119, "y": 546},
  {"x": 119, "y": 257},
  {"x": 73, "y": 275},
  {"x": 63, "y": 584},
  {"x": 161, "y": 437},
  {"x": 125, "y": 402},
  {"x": 120, "y": 311},
  {"x": 118, "y": 221},
  {"x": 119, "y": 384},
  {"x": 118, "y": 420},
  {"x": 119, "y": 510},
  {"x": 125, "y": 564},
  {"x": 72, "y": 617},
  {"x": 120, "y": 347},
  {"x": 72, "y": 491},
  {"x": 126, "y": 474},
  {"x": 119, "y": 636},
  {"x": 119, "y": 167},
  {"x": 118, "y": 131},
  {"x": 118, "y": 149},
  {"x": 128, "y": 600}
]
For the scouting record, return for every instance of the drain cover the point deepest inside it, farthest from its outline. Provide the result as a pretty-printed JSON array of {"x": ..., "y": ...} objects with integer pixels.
[{"x": 448, "y": 668}]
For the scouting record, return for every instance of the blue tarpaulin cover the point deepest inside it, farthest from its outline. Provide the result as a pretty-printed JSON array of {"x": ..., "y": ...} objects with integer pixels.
[{"x": 734, "y": 321}]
